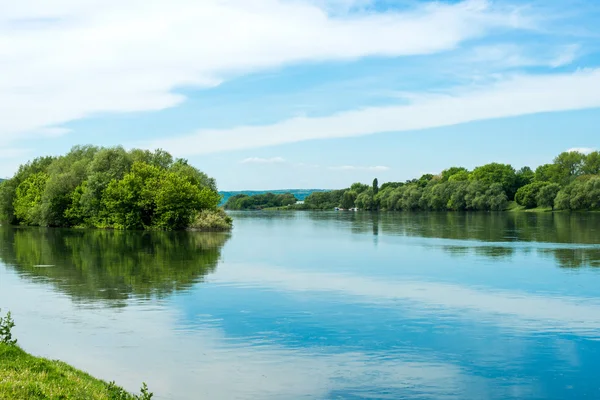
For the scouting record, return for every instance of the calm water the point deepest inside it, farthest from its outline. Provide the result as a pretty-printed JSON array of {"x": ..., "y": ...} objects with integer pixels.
[{"x": 320, "y": 306}]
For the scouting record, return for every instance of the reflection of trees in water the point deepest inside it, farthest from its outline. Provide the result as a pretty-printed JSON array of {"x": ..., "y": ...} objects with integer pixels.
[
  {"x": 112, "y": 265},
  {"x": 500, "y": 228},
  {"x": 575, "y": 258}
]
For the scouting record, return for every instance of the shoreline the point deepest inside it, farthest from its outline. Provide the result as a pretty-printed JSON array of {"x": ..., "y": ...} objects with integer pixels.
[{"x": 24, "y": 376}]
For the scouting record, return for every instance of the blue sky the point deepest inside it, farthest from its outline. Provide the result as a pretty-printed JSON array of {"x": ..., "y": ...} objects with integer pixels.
[{"x": 267, "y": 94}]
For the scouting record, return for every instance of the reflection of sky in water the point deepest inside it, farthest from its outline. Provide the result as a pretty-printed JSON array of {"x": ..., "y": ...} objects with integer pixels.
[{"x": 304, "y": 307}]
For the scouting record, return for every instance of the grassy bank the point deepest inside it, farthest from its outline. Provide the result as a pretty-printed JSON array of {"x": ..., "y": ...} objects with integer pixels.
[{"x": 23, "y": 376}]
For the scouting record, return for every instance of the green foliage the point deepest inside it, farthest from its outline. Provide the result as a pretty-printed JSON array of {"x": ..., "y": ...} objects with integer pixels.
[
  {"x": 524, "y": 177},
  {"x": 450, "y": 172},
  {"x": 118, "y": 393},
  {"x": 461, "y": 176},
  {"x": 6, "y": 326},
  {"x": 546, "y": 173},
  {"x": 212, "y": 221},
  {"x": 9, "y": 187},
  {"x": 108, "y": 188},
  {"x": 348, "y": 199},
  {"x": 359, "y": 187},
  {"x": 424, "y": 180},
  {"x": 569, "y": 183},
  {"x": 503, "y": 174},
  {"x": 330, "y": 200},
  {"x": 547, "y": 195},
  {"x": 366, "y": 200},
  {"x": 23, "y": 376},
  {"x": 300, "y": 194},
  {"x": 260, "y": 201},
  {"x": 581, "y": 194},
  {"x": 527, "y": 195},
  {"x": 568, "y": 165},
  {"x": 28, "y": 200},
  {"x": 591, "y": 165},
  {"x": 391, "y": 185}
]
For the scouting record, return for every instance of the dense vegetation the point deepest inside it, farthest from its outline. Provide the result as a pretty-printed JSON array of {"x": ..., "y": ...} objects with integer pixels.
[
  {"x": 571, "y": 182},
  {"x": 299, "y": 194},
  {"x": 108, "y": 188},
  {"x": 260, "y": 201},
  {"x": 23, "y": 376}
]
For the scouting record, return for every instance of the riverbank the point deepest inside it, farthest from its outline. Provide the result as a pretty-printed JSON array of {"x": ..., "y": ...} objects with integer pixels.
[
  {"x": 512, "y": 206},
  {"x": 23, "y": 376}
]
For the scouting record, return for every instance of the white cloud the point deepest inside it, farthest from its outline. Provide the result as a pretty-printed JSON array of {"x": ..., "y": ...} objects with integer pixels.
[
  {"x": 510, "y": 55},
  {"x": 582, "y": 150},
  {"x": 566, "y": 56},
  {"x": 258, "y": 160},
  {"x": 376, "y": 168},
  {"x": 514, "y": 96},
  {"x": 69, "y": 59}
]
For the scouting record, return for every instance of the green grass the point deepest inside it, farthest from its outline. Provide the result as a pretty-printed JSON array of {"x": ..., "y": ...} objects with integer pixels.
[
  {"x": 23, "y": 376},
  {"x": 514, "y": 207}
]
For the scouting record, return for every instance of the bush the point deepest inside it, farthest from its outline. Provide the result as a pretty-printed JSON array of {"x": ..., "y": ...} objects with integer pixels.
[
  {"x": 6, "y": 325},
  {"x": 107, "y": 188},
  {"x": 212, "y": 221},
  {"x": 527, "y": 196}
]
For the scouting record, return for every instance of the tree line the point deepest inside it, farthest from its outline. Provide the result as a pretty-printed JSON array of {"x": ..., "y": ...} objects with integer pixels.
[
  {"x": 570, "y": 182},
  {"x": 108, "y": 188},
  {"x": 260, "y": 201}
]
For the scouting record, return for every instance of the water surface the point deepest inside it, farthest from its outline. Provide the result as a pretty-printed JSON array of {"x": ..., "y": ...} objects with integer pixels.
[{"x": 320, "y": 305}]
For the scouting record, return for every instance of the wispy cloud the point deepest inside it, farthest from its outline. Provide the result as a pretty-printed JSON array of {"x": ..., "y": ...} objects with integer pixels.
[
  {"x": 582, "y": 150},
  {"x": 90, "y": 57},
  {"x": 259, "y": 160},
  {"x": 510, "y": 55},
  {"x": 513, "y": 96},
  {"x": 377, "y": 168}
]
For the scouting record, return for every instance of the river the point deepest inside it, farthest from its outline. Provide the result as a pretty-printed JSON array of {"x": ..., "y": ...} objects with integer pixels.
[{"x": 302, "y": 305}]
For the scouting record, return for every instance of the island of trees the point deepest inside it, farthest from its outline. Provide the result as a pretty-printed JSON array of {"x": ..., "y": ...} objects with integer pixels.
[
  {"x": 570, "y": 182},
  {"x": 112, "y": 188}
]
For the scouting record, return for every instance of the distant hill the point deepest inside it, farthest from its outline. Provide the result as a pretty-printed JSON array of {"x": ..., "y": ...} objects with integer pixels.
[{"x": 300, "y": 194}]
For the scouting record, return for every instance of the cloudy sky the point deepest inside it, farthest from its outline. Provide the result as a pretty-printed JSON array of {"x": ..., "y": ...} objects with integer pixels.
[{"x": 267, "y": 94}]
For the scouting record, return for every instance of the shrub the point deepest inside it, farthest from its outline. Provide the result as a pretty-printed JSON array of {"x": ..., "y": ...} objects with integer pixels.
[
  {"x": 6, "y": 325},
  {"x": 212, "y": 221}
]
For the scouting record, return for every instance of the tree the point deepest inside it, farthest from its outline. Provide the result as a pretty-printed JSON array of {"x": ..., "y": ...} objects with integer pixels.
[
  {"x": 503, "y": 174},
  {"x": 177, "y": 200},
  {"x": 8, "y": 188},
  {"x": 196, "y": 177},
  {"x": 591, "y": 165},
  {"x": 569, "y": 165},
  {"x": 546, "y": 173},
  {"x": 365, "y": 200},
  {"x": 359, "y": 187},
  {"x": 496, "y": 197},
  {"x": 461, "y": 176},
  {"x": 424, "y": 180},
  {"x": 547, "y": 195},
  {"x": 348, "y": 199},
  {"x": 28, "y": 199},
  {"x": 527, "y": 195},
  {"x": 524, "y": 177},
  {"x": 375, "y": 187},
  {"x": 447, "y": 173},
  {"x": 107, "y": 187}
]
